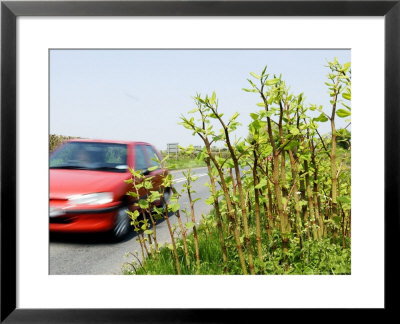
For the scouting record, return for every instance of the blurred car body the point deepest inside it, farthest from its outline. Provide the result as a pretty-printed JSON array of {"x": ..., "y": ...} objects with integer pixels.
[{"x": 88, "y": 192}]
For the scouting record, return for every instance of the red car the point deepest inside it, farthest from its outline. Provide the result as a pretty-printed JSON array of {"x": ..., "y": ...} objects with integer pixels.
[{"x": 87, "y": 188}]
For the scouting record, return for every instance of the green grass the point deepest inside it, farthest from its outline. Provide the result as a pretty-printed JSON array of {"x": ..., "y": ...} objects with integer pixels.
[
  {"x": 184, "y": 163},
  {"x": 321, "y": 257},
  {"x": 209, "y": 250}
]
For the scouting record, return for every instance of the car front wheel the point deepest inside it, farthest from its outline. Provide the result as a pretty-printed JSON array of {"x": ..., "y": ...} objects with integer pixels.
[
  {"x": 122, "y": 224},
  {"x": 166, "y": 197}
]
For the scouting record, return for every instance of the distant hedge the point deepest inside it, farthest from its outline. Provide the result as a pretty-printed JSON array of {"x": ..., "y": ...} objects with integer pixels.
[{"x": 56, "y": 140}]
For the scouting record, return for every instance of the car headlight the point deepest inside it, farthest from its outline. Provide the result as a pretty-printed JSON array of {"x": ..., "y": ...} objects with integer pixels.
[{"x": 98, "y": 198}]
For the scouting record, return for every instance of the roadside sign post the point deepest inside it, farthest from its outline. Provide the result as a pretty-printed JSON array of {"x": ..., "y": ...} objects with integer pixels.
[{"x": 173, "y": 148}]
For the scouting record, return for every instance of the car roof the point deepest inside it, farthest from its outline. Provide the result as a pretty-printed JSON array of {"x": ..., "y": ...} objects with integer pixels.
[{"x": 106, "y": 141}]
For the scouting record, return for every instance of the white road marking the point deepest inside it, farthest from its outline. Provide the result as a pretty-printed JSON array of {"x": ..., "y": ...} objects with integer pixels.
[
  {"x": 184, "y": 179},
  {"x": 193, "y": 169}
]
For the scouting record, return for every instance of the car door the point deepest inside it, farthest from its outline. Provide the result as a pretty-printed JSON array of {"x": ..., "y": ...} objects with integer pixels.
[
  {"x": 159, "y": 173},
  {"x": 141, "y": 163}
]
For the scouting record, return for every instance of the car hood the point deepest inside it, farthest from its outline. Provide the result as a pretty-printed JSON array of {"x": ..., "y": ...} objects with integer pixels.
[{"x": 64, "y": 183}]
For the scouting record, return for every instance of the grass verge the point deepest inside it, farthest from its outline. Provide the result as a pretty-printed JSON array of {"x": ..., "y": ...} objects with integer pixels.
[
  {"x": 184, "y": 163},
  {"x": 321, "y": 257}
]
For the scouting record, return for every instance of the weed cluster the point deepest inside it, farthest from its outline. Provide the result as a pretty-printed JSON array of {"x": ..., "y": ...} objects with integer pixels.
[{"x": 281, "y": 197}]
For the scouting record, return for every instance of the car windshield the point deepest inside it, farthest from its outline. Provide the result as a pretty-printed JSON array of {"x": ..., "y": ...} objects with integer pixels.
[{"x": 90, "y": 156}]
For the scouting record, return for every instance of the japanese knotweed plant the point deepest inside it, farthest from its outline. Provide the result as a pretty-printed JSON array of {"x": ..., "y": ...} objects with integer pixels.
[
  {"x": 339, "y": 85},
  {"x": 187, "y": 185},
  {"x": 277, "y": 102},
  {"x": 282, "y": 195},
  {"x": 207, "y": 108},
  {"x": 139, "y": 216},
  {"x": 146, "y": 212}
]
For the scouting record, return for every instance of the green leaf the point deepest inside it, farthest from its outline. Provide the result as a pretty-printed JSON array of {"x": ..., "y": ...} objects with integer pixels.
[
  {"x": 249, "y": 90},
  {"x": 343, "y": 113},
  {"x": 234, "y": 116},
  {"x": 174, "y": 207},
  {"x": 255, "y": 75},
  {"x": 255, "y": 126},
  {"x": 337, "y": 220},
  {"x": 134, "y": 215},
  {"x": 155, "y": 195},
  {"x": 143, "y": 203},
  {"x": 263, "y": 71},
  {"x": 133, "y": 194},
  {"x": 291, "y": 145},
  {"x": 344, "y": 199},
  {"x": 254, "y": 116},
  {"x": 269, "y": 113},
  {"x": 153, "y": 168},
  {"x": 346, "y": 66},
  {"x": 262, "y": 184},
  {"x": 213, "y": 98},
  {"x": 148, "y": 185},
  {"x": 229, "y": 163},
  {"x": 294, "y": 130},
  {"x": 303, "y": 203},
  {"x": 321, "y": 118},
  {"x": 209, "y": 200},
  {"x": 348, "y": 107},
  {"x": 241, "y": 147},
  {"x": 346, "y": 95},
  {"x": 189, "y": 225},
  {"x": 193, "y": 111},
  {"x": 148, "y": 232},
  {"x": 300, "y": 98},
  {"x": 272, "y": 82}
]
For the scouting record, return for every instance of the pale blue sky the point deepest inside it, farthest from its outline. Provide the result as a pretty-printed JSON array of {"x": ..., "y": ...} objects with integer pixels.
[{"x": 139, "y": 95}]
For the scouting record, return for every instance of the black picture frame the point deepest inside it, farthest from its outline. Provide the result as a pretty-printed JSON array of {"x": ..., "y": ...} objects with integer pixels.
[{"x": 10, "y": 10}]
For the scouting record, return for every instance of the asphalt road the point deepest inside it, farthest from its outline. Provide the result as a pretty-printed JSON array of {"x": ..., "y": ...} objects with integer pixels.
[{"x": 95, "y": 254}]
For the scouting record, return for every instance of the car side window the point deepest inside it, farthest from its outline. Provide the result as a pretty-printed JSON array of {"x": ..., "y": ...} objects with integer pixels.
[
  {"x": 151, "y": 155},
  {"x": 140, "y": 158}
]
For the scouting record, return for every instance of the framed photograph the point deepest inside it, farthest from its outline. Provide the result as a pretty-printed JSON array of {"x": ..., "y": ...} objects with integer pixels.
[{"x": 56, "y": 62}]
